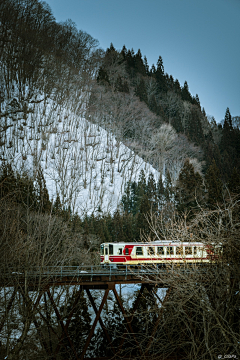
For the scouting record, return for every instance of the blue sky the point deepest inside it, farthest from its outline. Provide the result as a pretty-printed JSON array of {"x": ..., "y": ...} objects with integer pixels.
[{"x": 199, "y": 41}]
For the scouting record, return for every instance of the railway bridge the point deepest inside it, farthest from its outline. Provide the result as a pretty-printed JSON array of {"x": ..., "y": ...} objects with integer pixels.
[{"x": 40, "y": 291}]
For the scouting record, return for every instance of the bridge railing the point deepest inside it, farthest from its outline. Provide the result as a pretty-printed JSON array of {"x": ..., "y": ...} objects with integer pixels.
[{"x": 82, "y": 271}]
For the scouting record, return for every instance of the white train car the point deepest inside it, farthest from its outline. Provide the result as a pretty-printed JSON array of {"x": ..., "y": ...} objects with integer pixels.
[{"x": 157, "y": 252}]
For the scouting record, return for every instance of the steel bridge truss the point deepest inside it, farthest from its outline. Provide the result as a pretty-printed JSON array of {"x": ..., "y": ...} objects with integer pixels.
[{"x": 85, "y": 281}]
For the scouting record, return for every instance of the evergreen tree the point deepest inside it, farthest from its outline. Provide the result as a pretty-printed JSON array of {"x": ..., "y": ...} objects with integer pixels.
[
  {"x": 44, "y": 204},
  {"x": 177, "y": 87},
  {"x": 214, "y": 186},
  {"x": 57, "y": 206},
  {"x": 159, "y": 75},
  {"x": 153, "y": 104},
  {"x": 7, "y": 181},
  {"x": 160, "y": 193},
  {"x": 186, "y": 96},
  {"x": 144, "y": 209},
  {"x": 227, "y": 133},
  {"x": 124, "y": 52},
  {"x": 141, "y": 91},
  {"x": 26, "y": 193},
  {"x": 234, "y": 183},
  {"x": 196, "y": 101},
  {"x": 189, "y": 190},
  {"x": 151, "y": 191},
  {"x": 102, "y": 77},
  {"x": 194, "y": 127},
  {"x": 121, "y": 85},
  {"x": 139, "y": 65},
  {"x": 146, "y": 66},
  {"x": 169, "y": 191}
]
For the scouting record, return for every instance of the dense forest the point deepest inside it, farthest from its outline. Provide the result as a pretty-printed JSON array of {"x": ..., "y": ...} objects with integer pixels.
[{"x": 55, "y": 80}]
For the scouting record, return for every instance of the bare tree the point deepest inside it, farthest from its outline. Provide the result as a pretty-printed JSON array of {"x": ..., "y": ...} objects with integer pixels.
[{"x": 200, "y": 317}]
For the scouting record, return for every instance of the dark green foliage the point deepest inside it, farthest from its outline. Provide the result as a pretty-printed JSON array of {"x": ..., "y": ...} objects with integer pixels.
[
  {"x": 196, "y": 101},
  {"x": 168, "y": 191},
  {"x": 57, "y": 206},
  {"x": 20, "y": 189},
  {"x": 176, "y": 122},
  {"x": 186, "y": 96},
  {"x": 102, "y": 77},
  {"x": 229, "y": 147},
  {"x": 227, "y": 132},
  {"x": 234, "y": 183},
  {"x": 152, "y": 192},
  {"x": 189, "y": 190},
  {"x": 214, "y": 186},
  {"x": 141, "y": 91},
  {"x": 44, "y": 203},
  {"x": 139, "y": 65},
  {"x": 159, "y": 76},
  {"x": 121, "y": 85},
  {"x": 194, "y": 127}
]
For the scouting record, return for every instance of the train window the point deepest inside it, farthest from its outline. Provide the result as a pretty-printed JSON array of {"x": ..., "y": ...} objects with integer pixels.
[
  {"x": 160, "y": 250},
  {"x": 188, "y": 250},
  {"x": 120, "y": 251},
  {"x": 110, "y": 249},
  {"x": 195, "y": 250},
  {"x": 179, "y": 250},
  {"x": 169, "y": 250},
  {"x": 151, "y": 251},
  {"x": 106, "y": 251},
  {"x": 126, "y": 251},
  {"x": 101, "y": 250},
  {"x": 139, "y": 251}
]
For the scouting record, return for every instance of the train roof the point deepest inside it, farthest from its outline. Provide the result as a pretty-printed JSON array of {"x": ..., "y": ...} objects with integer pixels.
[{"x": 155, "y": 243}]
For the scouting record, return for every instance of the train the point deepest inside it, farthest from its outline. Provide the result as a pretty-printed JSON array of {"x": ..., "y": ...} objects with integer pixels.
[{"x": 160, "y": 252}]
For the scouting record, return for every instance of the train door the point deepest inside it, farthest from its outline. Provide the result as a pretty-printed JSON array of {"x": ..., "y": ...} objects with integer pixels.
[{"x": 106, "y": 254}]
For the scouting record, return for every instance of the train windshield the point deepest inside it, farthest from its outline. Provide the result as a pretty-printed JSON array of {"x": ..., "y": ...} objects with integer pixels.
[{"x": 102, "y": 250}]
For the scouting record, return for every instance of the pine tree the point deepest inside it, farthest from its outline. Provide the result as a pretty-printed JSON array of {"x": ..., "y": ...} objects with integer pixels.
[
  {"x": 124, "y": 52},
  {"x": 145, "y": 62},
  {"x": 194, "y": 127},
  {"x": 141, "y": 91},
  {"x": 151, "y": 191},
  {"x": 186, "y": 96},
  {"x": 102, "y": 77},
  {"x": 121, "y": 85},
  {"x": 227, "y": 133},
  {"x": 44, "y": 204},
  {"x": 189, "y": 190},
  {"x": 159, "y": 75},
  {"x": 144, "y": 209},
  {"x": 139, "y": 65},
  {"x": 214, "y": 186},
  {"x": 234, "y": 183},
  {"x": 57, "y": 206},
  {"x": 7, "y": 181},
  {"x": 153, "y": 104},
  {"x": 169, "y": 191},
  {"x": 160, "y": 193}
]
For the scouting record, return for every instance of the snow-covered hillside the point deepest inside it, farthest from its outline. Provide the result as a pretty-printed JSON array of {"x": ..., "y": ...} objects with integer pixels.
[{"x": 81, "y": 161}]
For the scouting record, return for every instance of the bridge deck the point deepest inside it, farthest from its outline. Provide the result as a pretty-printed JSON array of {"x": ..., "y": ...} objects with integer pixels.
[{"x": 94, "y": 276}]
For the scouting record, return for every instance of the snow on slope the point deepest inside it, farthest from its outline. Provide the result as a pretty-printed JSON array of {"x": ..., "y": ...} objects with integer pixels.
[{"x": 82, "y": 162}]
